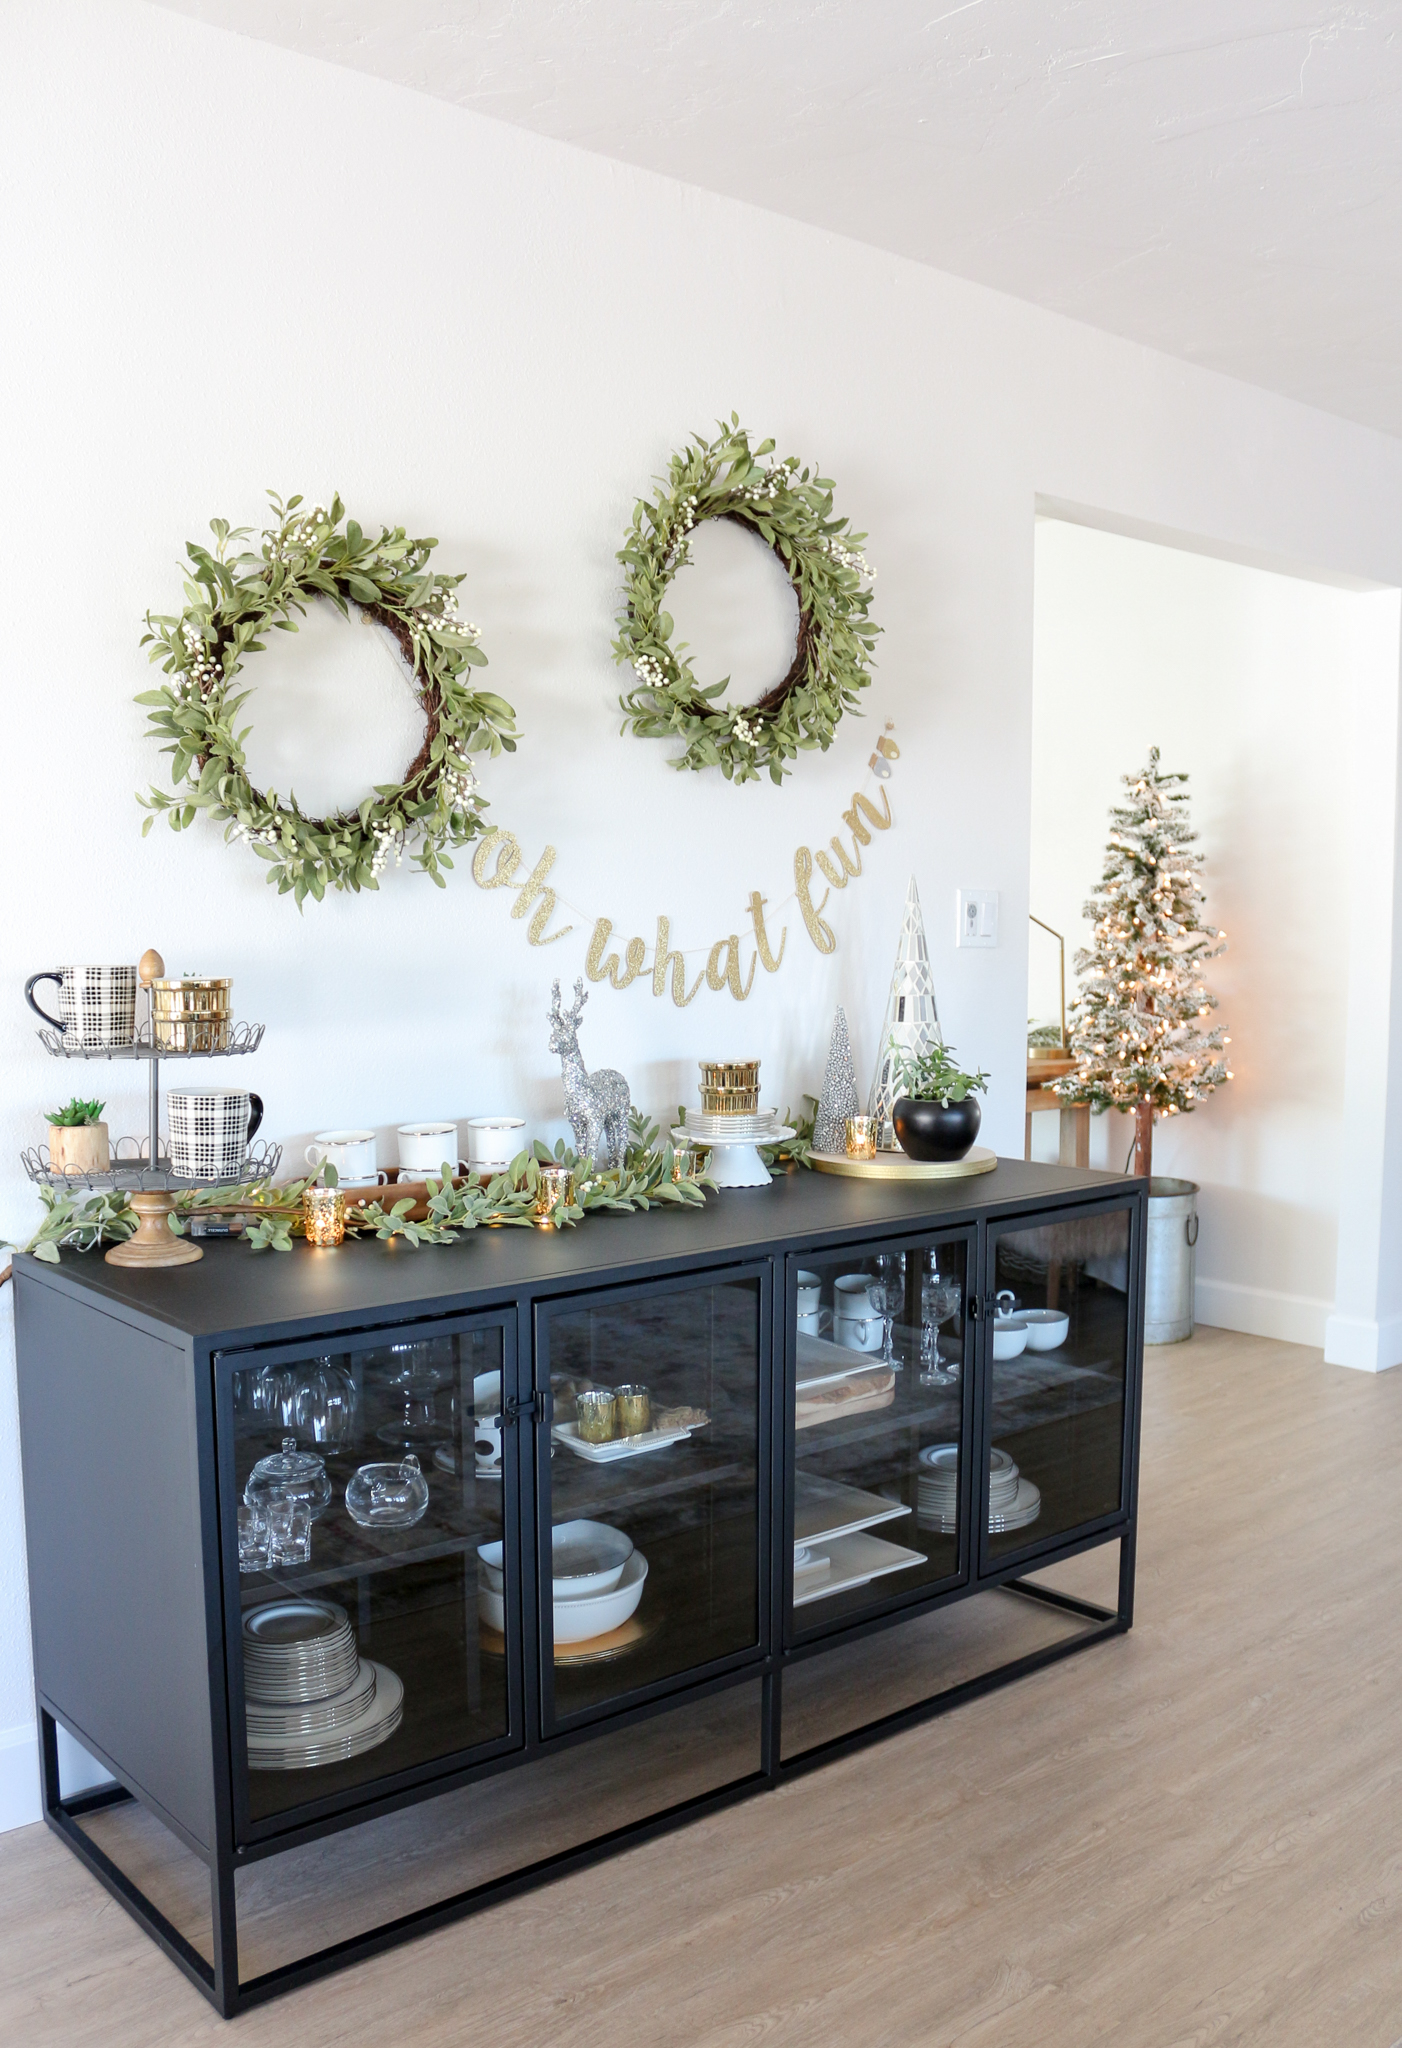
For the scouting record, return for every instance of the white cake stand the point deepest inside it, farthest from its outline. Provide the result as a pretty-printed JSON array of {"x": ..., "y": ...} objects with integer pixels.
[{"x": 734, "y": 1162}]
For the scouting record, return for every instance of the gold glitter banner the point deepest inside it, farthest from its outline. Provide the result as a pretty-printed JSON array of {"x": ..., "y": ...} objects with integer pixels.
[{"x": 498, "y": 860}]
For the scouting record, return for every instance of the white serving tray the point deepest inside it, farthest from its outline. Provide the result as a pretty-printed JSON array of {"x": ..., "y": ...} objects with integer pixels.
[
  {"x": 818, "y": 1362},
  {"x": 567, "y": 1433},
  {"x": 827, "y": 1507},
  {"x": 855, "y": 1561}
]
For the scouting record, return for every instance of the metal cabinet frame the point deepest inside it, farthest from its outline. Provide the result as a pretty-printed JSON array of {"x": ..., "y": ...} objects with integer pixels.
[{"x": 236, "y": 1839}]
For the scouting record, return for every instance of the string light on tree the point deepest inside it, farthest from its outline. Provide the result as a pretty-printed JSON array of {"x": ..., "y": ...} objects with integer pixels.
[{"x": 1136, "y": 1026}]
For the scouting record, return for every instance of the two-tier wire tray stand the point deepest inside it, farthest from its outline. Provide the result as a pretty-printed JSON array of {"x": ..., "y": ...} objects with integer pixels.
[{"x": 143, "y": 1166}]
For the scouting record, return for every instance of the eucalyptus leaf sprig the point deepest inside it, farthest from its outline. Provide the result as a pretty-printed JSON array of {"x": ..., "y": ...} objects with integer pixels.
[
  {"x": 234, "y": 598},
  {"x": 791, "y": 510},
  {"x": 274, "y": 1215},
  {"x": 934, "y": 1075}
]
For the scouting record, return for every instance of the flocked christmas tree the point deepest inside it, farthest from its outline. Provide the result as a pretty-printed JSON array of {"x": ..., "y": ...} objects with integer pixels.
[
  {"x": 1137, "y": 1026},
  {"x": 839, "y": 1099}
]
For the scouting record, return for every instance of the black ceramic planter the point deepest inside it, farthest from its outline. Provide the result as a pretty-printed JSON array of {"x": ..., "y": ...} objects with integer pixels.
[{"x": 930, "y": 1130}]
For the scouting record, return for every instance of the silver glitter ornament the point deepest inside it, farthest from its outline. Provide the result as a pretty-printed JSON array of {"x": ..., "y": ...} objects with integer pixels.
[{"x": 596, "y": 1104}]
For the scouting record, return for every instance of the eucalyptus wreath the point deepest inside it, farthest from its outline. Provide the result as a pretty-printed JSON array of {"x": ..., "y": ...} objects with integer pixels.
[
  {"x": 791, "y": 511},
  {"x": 233, "y": 601}
]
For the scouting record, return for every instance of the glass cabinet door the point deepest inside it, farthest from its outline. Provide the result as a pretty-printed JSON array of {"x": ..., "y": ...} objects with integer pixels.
[
  {"x": 651, "y": 1484},
  {"x": 362, "y": 1487},
  {"x": 1058, "y": 1365},
  {"x": 879, "y": 1413}
]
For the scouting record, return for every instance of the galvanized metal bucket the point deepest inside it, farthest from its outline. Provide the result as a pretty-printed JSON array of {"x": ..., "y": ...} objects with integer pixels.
[{"x": 1168, "y": 1278}]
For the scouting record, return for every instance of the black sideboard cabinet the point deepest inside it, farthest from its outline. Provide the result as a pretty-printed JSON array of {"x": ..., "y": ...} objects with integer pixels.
[{"x": 859, "y": 1466}]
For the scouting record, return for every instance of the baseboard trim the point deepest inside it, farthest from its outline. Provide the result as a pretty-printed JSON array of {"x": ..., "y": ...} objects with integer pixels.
[
  {"x": 1261, "y": 1312},
  {"x": 1362, "y": 1344},
  {"x": 19, "y": 1773}
]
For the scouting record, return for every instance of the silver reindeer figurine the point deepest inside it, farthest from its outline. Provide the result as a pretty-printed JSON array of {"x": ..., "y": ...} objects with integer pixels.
[{"x": 596, "y": 1104}]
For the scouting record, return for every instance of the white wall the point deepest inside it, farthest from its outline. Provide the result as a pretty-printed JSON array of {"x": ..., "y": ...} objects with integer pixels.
[
  {"x": 230, "y": 268},
  {"x": 1249, "y": 681}
]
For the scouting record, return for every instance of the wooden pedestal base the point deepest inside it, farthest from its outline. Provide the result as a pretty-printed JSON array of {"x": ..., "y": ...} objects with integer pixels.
[{"x": 154, "y": 1244}]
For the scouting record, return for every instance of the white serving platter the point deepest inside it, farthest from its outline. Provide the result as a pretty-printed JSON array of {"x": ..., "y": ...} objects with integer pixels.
[
  {"x": 828, "y": 1507},
  {"x": 819, "y": 1362},
  {"x": 855, "y": 1561},
  {"x": 567, "y": 1433}
]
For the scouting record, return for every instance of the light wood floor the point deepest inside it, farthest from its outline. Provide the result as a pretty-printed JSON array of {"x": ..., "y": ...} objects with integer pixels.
[{"x": 1191, "y": 1835}]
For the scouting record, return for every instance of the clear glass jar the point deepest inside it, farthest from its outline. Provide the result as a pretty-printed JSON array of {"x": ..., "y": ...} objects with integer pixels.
[{"x": 289, "y": 1474}]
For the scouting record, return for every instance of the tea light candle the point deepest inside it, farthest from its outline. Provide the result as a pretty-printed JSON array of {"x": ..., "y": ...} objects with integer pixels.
[{"x": 861, "y": 1137}]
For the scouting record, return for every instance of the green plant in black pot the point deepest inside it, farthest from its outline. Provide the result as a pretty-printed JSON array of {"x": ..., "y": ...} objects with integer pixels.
[{"x": 936, "y": 1114}]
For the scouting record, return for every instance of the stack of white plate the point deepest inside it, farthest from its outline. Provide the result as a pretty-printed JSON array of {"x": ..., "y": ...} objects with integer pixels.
[
  {"x": 701, "y": 1126},
  {"x": 1013, "y": 1502},
  {"x": 309, "y": 1698}
]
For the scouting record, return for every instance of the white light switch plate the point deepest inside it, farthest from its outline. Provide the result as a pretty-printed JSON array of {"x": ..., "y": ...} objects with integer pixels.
[{"x": 978, "y": 917}]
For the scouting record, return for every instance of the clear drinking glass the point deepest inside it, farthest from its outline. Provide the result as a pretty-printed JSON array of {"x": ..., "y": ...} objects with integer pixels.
[
  {"x": 253, "y": 1538},
  {"x": 289, "y": 1530}
]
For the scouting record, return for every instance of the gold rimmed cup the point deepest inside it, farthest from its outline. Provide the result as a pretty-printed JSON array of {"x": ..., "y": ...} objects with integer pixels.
[{"x": 861, "y": 1137}]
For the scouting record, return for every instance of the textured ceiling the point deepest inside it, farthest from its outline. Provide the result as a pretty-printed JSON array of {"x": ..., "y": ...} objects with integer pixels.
[{"x": 1219, "y": 178}]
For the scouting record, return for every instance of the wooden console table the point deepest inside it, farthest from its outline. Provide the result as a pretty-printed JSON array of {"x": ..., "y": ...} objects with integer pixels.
[{"x": 1074, "y": 1146}]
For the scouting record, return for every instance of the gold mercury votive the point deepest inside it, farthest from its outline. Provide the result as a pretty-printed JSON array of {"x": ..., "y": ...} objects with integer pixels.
[
  {"x": 861, "y": 1137},
  {"x": 324, "y": 1210},
  {"x": 596, "y": 1415},
  {"x": 689, "y": 1160},
  {"x": 556, "y": 1186},
  {"x": 634, "y": 1410}
]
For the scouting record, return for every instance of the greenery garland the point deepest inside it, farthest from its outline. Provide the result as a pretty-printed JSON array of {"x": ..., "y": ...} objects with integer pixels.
[
  {"x": 232, "y": 603},
  {"x": 274, "y": 1214},
  {"x": 791, "y": 511}
]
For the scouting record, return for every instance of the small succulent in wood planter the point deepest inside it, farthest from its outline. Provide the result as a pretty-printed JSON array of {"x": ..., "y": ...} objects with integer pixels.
[{"x": 78, "y": 1137}]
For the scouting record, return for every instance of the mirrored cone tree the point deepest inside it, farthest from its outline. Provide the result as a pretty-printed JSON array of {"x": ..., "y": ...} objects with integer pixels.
[{"x": 1139, "y": 1030}]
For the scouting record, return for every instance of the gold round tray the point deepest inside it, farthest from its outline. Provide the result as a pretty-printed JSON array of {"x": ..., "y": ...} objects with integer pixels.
[{"x": 898, "y": 1166}]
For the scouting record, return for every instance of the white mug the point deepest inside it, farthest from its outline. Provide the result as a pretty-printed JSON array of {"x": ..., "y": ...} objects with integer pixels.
[
  {"x": 424, "y": 1147},
  {"x": 352, "y": 1153},
  {"x": 813, "y": 1318},
  {"x": 96, "y": 1005},
  {"x": 854, "y": 1324},
  {"x": 491, "y": 1141},
  {"x": 486, "y": 1426}
]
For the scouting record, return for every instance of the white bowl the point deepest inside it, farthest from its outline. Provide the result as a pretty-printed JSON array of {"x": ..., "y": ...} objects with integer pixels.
[
  {"x": 576, "y": 1618},
  {"x": 489, "y": 1556},
  {"x": 587, "y": 1557},
  {"x": 1046, "y": 1327},
  {"x": 595, "y": 1614},
  {"x": 1009, "y": 1336}
]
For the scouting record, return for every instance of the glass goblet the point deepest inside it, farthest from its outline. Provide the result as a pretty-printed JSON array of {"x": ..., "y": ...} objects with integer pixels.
[{"x": 939, "y": 1299}]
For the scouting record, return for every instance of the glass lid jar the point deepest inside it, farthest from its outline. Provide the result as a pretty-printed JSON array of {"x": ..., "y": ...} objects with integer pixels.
[
  {"x": 388, "y": 1496},
  {"x": 289, "y": 1474}
]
